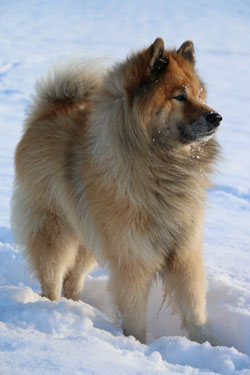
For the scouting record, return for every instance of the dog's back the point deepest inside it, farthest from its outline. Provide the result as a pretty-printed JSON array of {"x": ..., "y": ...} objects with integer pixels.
[
  {"x": 47, "y": 161},
  {"x": 55, "y": 122}
]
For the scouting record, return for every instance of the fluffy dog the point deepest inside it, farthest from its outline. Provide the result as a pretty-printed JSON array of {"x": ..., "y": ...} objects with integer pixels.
[{"x": 113, "y": 166}]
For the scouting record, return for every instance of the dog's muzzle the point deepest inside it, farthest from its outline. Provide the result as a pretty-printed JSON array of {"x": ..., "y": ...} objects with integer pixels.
[{"x": 202, "y": 129}]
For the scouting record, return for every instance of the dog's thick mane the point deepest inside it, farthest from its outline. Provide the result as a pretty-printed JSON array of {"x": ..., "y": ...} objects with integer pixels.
[{"x": 117, "y": 138}]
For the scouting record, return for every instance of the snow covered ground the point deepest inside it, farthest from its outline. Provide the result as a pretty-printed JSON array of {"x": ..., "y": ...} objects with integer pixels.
[{"x": 42, "y": 337}]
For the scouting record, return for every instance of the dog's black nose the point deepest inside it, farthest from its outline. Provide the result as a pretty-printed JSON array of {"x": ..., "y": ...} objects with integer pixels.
[{"x": 213, "y": 118}]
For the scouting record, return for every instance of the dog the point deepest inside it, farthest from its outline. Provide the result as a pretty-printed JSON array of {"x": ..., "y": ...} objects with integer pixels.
[{"x": 113, "y": 168}]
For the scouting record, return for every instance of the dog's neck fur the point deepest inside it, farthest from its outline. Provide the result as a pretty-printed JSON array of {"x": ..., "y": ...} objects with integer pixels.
[{"x": 113, "y": 138}]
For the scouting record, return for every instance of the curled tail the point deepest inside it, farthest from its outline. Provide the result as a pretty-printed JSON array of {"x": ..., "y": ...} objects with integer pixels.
[{"x": 66, "y": 83}]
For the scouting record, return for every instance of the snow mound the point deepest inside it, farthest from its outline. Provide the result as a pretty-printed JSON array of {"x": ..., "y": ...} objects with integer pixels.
[{"x": 65, "y": 335}]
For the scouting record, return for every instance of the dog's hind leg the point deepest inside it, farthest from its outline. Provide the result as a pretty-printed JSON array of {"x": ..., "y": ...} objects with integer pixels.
[
  {"x": 74, "y": 279},
  {"x": 51, "y": 248}
]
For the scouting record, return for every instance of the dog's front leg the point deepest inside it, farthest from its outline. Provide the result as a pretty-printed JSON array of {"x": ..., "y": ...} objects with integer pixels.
[
  {"x": 129, "y": 285},
  {"x": 187, "y": 279}
]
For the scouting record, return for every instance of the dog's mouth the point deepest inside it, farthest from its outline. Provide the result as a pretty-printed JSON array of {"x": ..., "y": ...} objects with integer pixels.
[
  {"x": 199, "y": 131},
  {"x": 191, "y": 137},
  {"x": 205, "y": 137}
]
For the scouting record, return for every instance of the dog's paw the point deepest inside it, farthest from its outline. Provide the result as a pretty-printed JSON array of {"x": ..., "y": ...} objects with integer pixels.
[{"x": 202, "y": 334}]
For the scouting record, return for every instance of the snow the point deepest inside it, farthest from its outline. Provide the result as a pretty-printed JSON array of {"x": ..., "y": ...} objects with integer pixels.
[{"x": 65, "y": 337}]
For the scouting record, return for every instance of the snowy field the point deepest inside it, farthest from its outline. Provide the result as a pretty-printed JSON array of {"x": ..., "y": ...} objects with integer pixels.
[{"x": 48, "y": 338}]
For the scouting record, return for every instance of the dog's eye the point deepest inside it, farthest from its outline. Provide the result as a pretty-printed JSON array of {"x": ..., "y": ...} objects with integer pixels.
[{"x": 181, "y": 98}]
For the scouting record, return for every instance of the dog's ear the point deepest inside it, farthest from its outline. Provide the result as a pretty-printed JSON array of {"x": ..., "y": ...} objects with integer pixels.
[
  {"x": 186, "y": 50},
  {"x": 158, "y": 61}
]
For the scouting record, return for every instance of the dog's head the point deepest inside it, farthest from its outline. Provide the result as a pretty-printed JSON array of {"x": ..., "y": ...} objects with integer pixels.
[{"x": 167, "y": 97}]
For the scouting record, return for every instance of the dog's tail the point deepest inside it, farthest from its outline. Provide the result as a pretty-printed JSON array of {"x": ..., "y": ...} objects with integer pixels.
[{"x": 67, "y": 83}]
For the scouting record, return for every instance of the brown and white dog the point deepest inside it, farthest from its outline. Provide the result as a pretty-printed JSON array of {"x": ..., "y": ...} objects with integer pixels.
[{"x": 113, "y": 166}]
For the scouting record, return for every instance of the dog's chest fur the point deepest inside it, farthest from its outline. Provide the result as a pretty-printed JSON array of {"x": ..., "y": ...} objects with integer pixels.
[{"x": 156, "y": 210}]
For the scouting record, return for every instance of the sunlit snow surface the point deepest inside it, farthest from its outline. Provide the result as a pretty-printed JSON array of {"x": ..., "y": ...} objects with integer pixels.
[{"x": 42, "y": 337}]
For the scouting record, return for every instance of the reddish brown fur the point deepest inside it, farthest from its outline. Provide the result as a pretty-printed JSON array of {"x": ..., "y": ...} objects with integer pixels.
[{"x": 105, "y": 175}]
